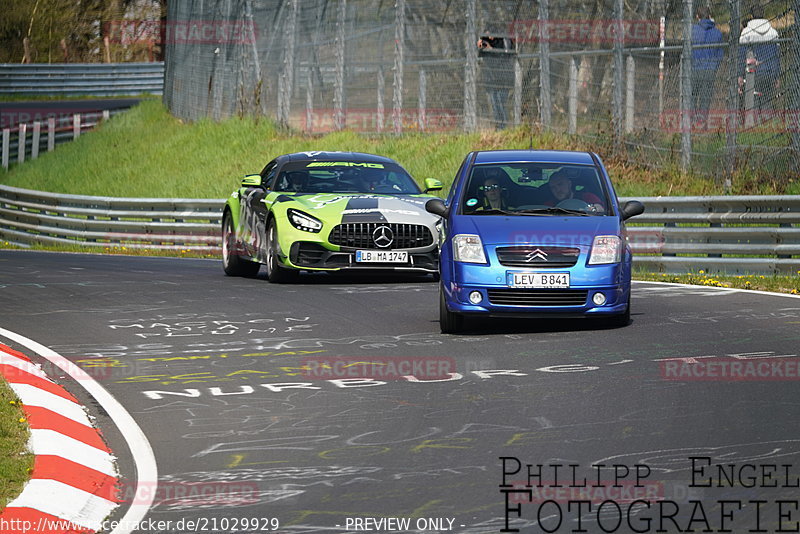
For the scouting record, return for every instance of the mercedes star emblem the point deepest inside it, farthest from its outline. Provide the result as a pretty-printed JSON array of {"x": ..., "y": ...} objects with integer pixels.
[{"x": 383, "y": 236}]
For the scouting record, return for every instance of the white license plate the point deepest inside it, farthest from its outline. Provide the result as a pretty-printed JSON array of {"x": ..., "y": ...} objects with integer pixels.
[
  {"x": 538, "y": 280},
  {"x": 381, "y": 256}
]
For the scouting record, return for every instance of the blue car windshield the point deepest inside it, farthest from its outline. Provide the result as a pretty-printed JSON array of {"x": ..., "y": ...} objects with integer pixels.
[
  {"x": 345, "y": 177},
  {"x": 535, "y": 189}
]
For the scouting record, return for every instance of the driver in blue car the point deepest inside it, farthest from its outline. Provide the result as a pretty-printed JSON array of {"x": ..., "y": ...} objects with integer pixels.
[{"x": 560, "y": 185}]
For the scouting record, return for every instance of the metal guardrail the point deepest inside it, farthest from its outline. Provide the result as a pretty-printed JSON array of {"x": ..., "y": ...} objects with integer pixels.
[
  {"x": 28, "y": 217},
  {"x": 98, "y": 79},
  {"x": 735, "y": 234}
]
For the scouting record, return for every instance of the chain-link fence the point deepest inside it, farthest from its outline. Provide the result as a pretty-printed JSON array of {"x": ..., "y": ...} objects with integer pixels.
[{"x": 711, "y": 86}]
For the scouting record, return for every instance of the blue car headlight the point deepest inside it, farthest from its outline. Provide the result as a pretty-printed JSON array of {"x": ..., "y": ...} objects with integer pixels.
[
  {"x": 606, "y": 249},
  {"x": 468, "y": 248},
  {"x": 304, "y": 221}
]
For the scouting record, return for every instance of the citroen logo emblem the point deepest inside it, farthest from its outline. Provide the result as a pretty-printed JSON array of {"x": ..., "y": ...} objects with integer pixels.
[
  {"x": 536, "y": 254},
  {"x": 383, "y": 236}
]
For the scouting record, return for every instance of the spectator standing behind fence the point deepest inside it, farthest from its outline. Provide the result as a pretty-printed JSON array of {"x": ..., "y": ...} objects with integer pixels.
[
  {"x": 759, "y": 40},
  {"x": 705, "y": 62},
  {"x": 497, "y": 72}
]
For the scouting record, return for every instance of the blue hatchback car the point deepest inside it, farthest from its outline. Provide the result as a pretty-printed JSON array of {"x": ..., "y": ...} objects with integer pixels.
[{"x": 533, "y": 233}]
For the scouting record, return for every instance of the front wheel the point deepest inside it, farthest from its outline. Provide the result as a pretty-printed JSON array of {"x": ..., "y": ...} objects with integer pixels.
[
  {"x": 623, "y": 319},
  {"x": 275, "y": 272},
  {"x": 232, "y": 262},
  {"x": 449, "y": 322}
]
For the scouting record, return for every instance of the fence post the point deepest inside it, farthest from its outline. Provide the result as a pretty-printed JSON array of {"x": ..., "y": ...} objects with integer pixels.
[
  {"x": 399, "y": 63},
  {"x": 286, "y": 80},
  {"x": 572, "y": 99},
  {"x": 545, "y": 102},
  {"x": 686, "y": 87},
  {"x": 6, "y": 142},
  {"x": 749, "y": 92},
  {"x": 51, "y": 134},
  {"x": 37, "y": 129},
  {"x": 22, "y": 140},
  {"x": 517, "y": 91},
  {"x": 310, "y": 101},
  {"x": 630, "y": 93},
  {"x": 471, "y": 69},
  {"x": 422, "y": 118},
  {"x": 379, "y": 121},
  {"x": 732, "y": 116},
  {"x": 76, "y": 126},
  {"x": 338, "y": 90},
  {"x": 617, "y": 71}
]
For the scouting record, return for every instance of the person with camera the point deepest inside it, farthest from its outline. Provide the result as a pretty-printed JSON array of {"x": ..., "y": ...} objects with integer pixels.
[{"x": 497, "y": 54}]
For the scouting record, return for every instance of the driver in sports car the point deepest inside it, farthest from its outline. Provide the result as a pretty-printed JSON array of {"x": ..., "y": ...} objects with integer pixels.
[{"x": 560, "y": 186}]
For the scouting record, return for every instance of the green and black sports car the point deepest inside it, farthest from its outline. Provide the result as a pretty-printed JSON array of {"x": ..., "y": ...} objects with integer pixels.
[{"x": 329, "y": 211}]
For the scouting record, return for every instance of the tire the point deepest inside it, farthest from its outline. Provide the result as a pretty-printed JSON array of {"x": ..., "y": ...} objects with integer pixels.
[
  {"x": 232, "y": 263},
  {"x": 449, "y": 322},
  {"x": 276, "y": 273},
  {"x": 623, "y": 319}
]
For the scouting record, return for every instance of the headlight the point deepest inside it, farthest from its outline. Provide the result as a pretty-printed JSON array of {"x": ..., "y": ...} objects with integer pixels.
[
  {"x": 468, "y": 249},
  {"x": 606, "y": 249},
  {"x": 303, "y": 221}
]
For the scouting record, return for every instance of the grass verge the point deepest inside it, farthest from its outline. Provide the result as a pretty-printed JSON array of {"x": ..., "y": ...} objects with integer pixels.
[
  {"x": 16, "y": 462},
  {"x": 146, "y": 152}
]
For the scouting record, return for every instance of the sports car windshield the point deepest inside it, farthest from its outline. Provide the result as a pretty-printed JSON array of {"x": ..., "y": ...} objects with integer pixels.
[
  {"x": 535, "y": 189},
  {"x": 345, "y": 177}
]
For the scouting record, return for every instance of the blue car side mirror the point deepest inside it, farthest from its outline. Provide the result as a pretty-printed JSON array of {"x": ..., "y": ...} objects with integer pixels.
[{"x": 437, "y": 207}]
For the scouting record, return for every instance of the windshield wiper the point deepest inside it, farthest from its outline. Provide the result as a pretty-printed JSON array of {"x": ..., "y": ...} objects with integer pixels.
[
  {"x": 492, "y": 211},
  {"x": 553, "y": 210}
]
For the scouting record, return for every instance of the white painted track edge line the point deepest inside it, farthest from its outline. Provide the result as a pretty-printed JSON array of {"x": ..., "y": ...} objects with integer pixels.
[
  {"x": 138, "y": 444},
  {"x": 723, "y": 289}
]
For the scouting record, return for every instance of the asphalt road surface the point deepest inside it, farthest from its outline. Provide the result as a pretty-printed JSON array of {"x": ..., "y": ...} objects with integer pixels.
[{"x": 289, "y": 408}]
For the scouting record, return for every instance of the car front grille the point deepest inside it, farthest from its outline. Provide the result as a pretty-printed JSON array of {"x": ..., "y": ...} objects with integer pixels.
[
  {"x": 539, "y": 257},
  {"x": 538, "y": 297},
  {"x": 360, "y": 235}
]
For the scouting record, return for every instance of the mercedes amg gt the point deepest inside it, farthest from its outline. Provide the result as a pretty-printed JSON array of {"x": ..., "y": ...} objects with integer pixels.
[{"x": 329, "y": 211}]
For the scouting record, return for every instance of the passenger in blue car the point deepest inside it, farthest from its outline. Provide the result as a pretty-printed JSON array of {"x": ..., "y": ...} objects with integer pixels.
[
  {"x": 495, "y": 196},
  {"x": 561, "y": 187}
]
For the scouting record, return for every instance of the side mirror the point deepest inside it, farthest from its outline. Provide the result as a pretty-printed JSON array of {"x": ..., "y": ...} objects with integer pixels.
[
  {"x": 437, "y": 207},
  {"x": 432, "y": 184},
  {"x": 632, "y": 208},
  {"x": 252, "y": 180}
]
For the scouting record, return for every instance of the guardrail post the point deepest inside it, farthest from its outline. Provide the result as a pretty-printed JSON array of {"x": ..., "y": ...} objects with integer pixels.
[
  {"x": 22, "y": 140},
  {"x": 6, "y": 142},
  {"x": 572, "y": 100},
  {"x": 37, "y": 129},
  {"x": 630, "y": 92},
  {"x": 51, "y": 134},
  {"x": 106, "y": 115},
  {"x": 76, "y": 126},
  {"x": 422, "y": 117}
]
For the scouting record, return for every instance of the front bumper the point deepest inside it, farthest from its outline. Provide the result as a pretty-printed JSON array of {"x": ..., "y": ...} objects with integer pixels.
[
  {"x": 497, "y": 299},
  {"x": 313, "y": 256}
]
